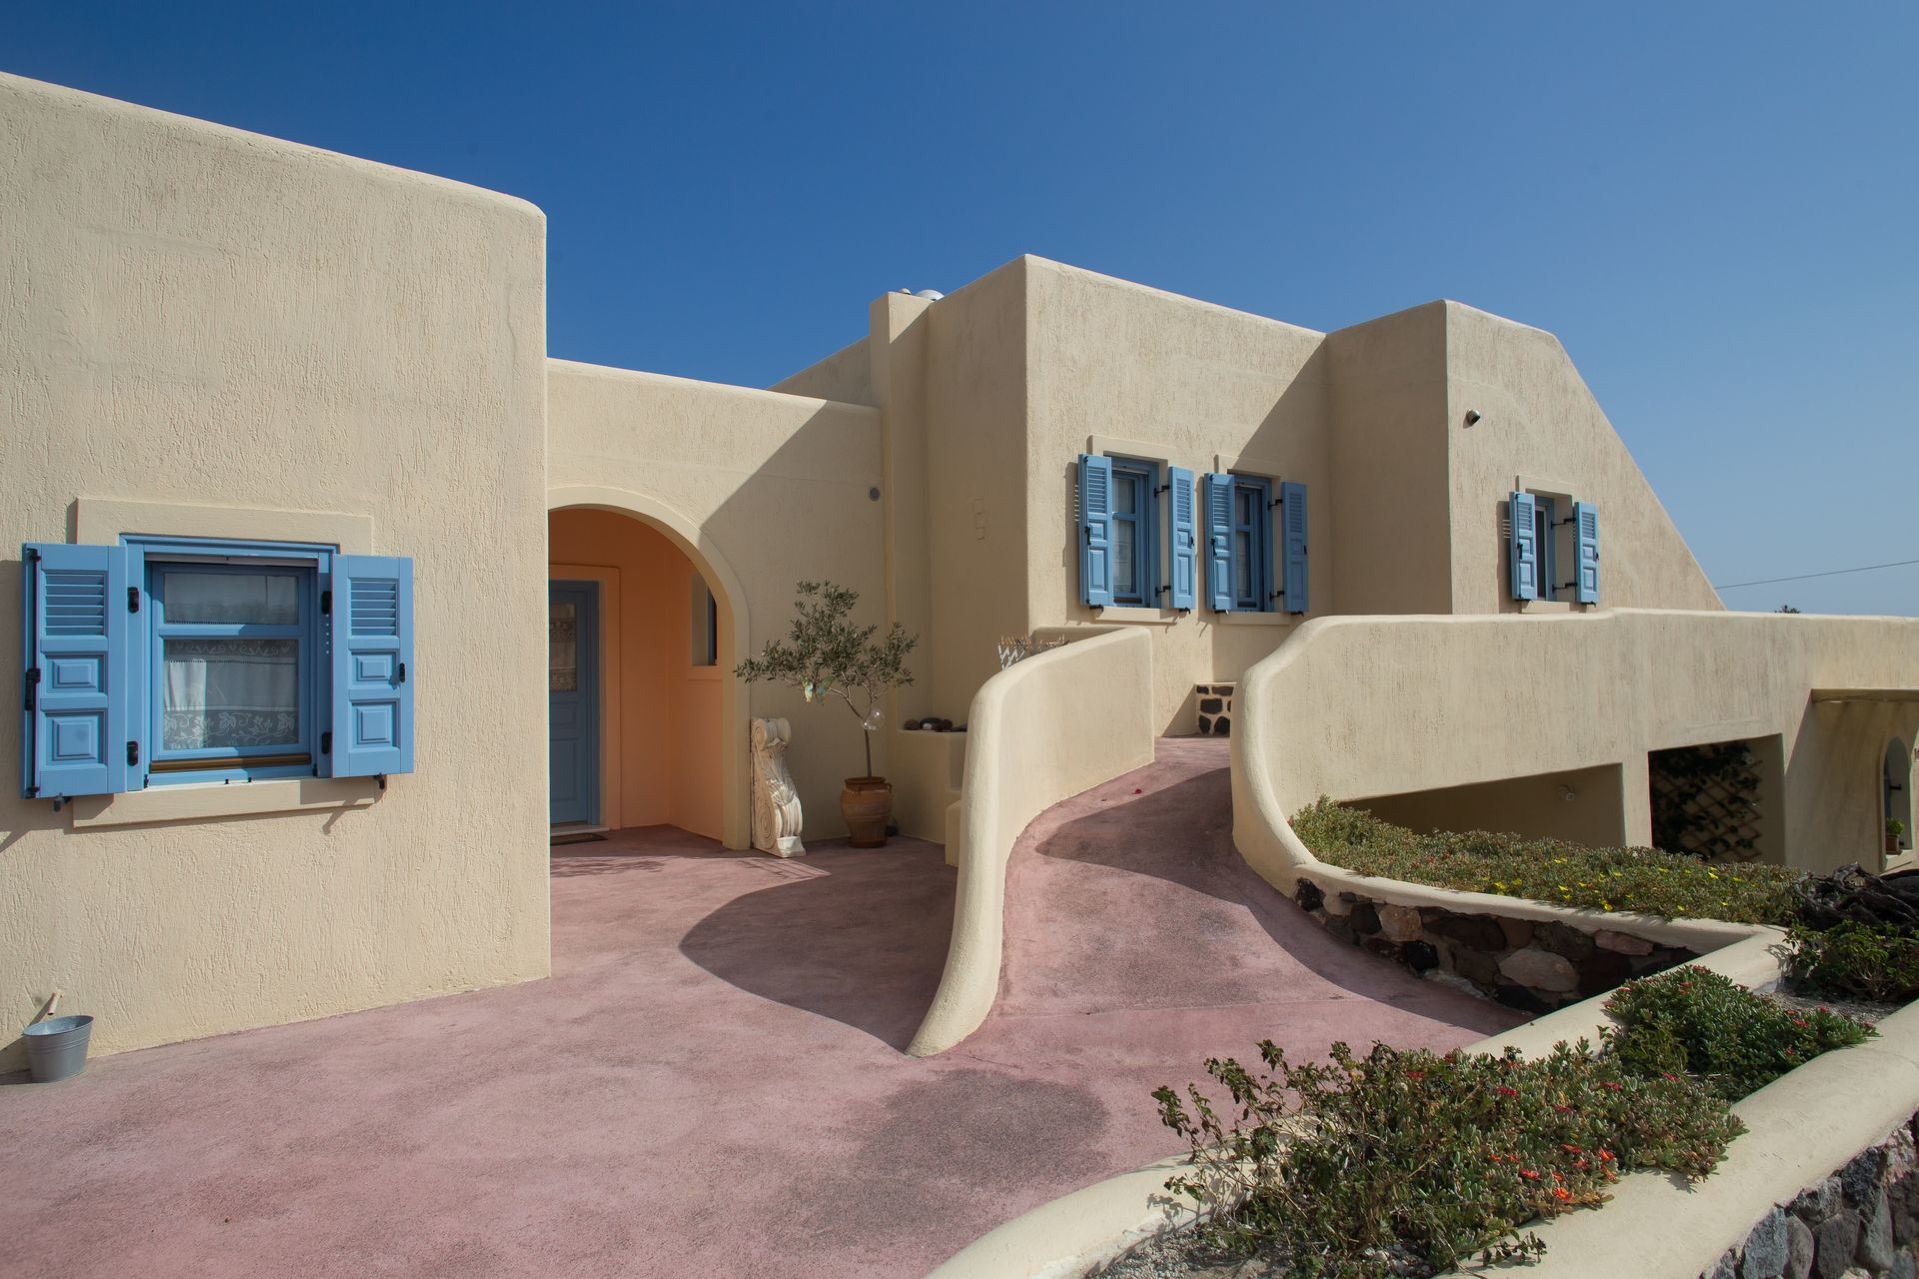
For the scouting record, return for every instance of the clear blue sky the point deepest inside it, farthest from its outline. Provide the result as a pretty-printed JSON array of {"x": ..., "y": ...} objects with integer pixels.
[{"x": 1714, "y": 205}]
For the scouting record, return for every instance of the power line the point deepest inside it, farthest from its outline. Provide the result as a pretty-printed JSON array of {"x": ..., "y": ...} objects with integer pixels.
[{"x": 1801, "y": 577}]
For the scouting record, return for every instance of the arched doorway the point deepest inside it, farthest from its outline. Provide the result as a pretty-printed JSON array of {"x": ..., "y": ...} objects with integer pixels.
[
  {"x": 1895, "y": 791},
  {"x": 647, "y": 723}
]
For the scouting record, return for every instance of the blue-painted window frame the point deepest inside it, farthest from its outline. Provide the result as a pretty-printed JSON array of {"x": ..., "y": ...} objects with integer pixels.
[
  {"x": 1145, "y": 520},
  {"x": 1546, "y": 539},
  {"x": 1254, "y": 493},
  {"x": 149, "y": 556}
]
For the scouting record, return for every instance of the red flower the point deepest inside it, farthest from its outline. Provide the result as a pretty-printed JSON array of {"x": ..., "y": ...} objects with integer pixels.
[
  {"x": 1562, "y": 1194},
  {"x": 1529, "y": 1174},
  {"x": 1562, "y": 1108},
  {"x": 1506, "y": 1092}
]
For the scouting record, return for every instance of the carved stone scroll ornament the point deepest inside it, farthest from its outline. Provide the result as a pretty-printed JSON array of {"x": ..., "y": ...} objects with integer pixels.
[{"x": 776, "y": 804}]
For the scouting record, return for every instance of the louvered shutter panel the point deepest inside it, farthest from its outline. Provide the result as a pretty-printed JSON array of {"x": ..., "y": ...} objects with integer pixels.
[
  {"x": 74, "y": 609},
  {"x": 1586, "y": 580},
  {"x": 1095, "y": 530},
  {"x": 1219, "y": 542},
  {"x": 1185, "y": 539},
  {"x": 372, "y": 632},
  {"x": 1523, "y": 548},
  {"x": 1292, "y": 537}
]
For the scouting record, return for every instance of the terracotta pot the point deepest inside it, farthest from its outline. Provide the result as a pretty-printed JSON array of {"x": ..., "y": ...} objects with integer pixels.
[{"x": 867, "y": 806}]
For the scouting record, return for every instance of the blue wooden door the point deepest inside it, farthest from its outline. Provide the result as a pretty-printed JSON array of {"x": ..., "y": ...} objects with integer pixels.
[{"x": 573, "y": 701}]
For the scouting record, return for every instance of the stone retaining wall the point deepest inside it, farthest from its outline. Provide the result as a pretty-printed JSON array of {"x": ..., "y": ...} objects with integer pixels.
[
  {"x": 1536, "y": 966},
  {"x": 1862, "y": 1220}
]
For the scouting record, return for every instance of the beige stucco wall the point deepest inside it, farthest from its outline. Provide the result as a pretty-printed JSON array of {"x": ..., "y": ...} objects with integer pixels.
[
  {"x": 191, "y": 315},
  {"x": 761, "y": 490},
  {"x": 1586, "y": 806},
  {"x": 1541, "y": 426},
  {"x": 1185, "y": 383},
  {"x": 1364, "y": 706},
  {"x": 1388, "y": 398},
  {"x": 976, "y": 365},
  {"x": 846, "y": 376}
]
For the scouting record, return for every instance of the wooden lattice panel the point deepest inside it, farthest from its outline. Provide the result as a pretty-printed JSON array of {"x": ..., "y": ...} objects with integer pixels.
[{"x": 1705, "y": 801}]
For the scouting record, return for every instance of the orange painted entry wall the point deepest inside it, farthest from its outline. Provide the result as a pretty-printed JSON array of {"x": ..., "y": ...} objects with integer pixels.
[{"x": 659, "y": 687}]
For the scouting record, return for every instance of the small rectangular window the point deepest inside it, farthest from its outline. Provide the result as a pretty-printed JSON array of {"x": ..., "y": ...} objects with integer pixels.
[
  {"x": 164, "y": 660},
  {"x": 235, "y": 651},
  {"x": 1544, "y": 538},
  {"x": 1135, "y": 533},
  {"x": 1252, "y": 544},
  {"x": 1543, "y": 546},
  {"x": 704, "y": 613}
]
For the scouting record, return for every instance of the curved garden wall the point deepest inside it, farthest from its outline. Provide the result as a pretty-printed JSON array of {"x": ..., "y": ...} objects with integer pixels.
[{"x": 1038, "y": 732}]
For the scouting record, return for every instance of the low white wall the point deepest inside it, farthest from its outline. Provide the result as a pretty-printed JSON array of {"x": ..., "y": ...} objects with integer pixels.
[
  {"x": 1039, "y": 732},
  {"x": 1351, "y": 707},
  {"x": 1799, "y": 1130}
]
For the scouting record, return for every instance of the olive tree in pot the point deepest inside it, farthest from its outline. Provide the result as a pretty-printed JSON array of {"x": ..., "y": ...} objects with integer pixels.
[{"x": 826, "y": 655}]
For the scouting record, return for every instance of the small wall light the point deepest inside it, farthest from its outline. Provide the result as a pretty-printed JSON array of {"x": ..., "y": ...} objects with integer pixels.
[{"x": 1472, "y": 417}]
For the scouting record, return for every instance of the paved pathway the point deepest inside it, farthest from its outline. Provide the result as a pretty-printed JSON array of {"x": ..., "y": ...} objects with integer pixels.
[{"x": 710, "y": 1085}]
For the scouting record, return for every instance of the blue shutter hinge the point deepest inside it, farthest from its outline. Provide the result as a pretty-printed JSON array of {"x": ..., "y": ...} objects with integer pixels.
[
  {"x": 32, "y": 680},
  {"x": 402, "y": 676},
  {"x": 1164, "y": 488},
  {"x": 382, "y": 780},
  {"x": 133, "y": 599},
  {"x": 326, "y": 743},
  {"x": 133, "y": 752},
  {"x": 326, "y": 602}
]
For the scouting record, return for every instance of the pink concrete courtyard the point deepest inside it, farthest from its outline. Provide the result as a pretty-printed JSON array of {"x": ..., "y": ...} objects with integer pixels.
[{"x": 712, "y": 1084}]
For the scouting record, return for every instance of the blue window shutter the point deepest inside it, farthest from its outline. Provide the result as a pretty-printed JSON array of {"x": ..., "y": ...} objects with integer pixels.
[
  {"x": 1185, "y": 539},
  {"x": 1523, "y": 545},
  {"x": 1095, "y": 530},
  {"x": 1586, "y": 525},
  {"x": 1219, "y": 542},
  {"x": 372, "y": 719},
  {"x": 1293, "y": 526},
  {"x": 74, "y": 611}
]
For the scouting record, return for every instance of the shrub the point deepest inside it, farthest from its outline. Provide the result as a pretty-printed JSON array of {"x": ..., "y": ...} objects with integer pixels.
[
  {"x": 1549, "y": 870},
  {"x": 1853, "y": 961},
  {"x": 1695, "y": 1022},
  {"x": 1352, "y": 1169}
]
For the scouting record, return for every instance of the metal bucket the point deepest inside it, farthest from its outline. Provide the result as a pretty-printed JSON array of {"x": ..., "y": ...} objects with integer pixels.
[{"x": 57, "y": 1047}]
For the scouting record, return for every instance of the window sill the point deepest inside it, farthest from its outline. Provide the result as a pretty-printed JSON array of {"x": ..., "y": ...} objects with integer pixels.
[
  {"x": 201, "y": 802},
  {"x": 1257, "y": 619},
  {"x": 1139, "y": 616}
]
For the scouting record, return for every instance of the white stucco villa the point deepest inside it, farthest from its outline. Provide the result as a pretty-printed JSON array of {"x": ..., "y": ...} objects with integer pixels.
[{"x": 313, "y": 544}]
